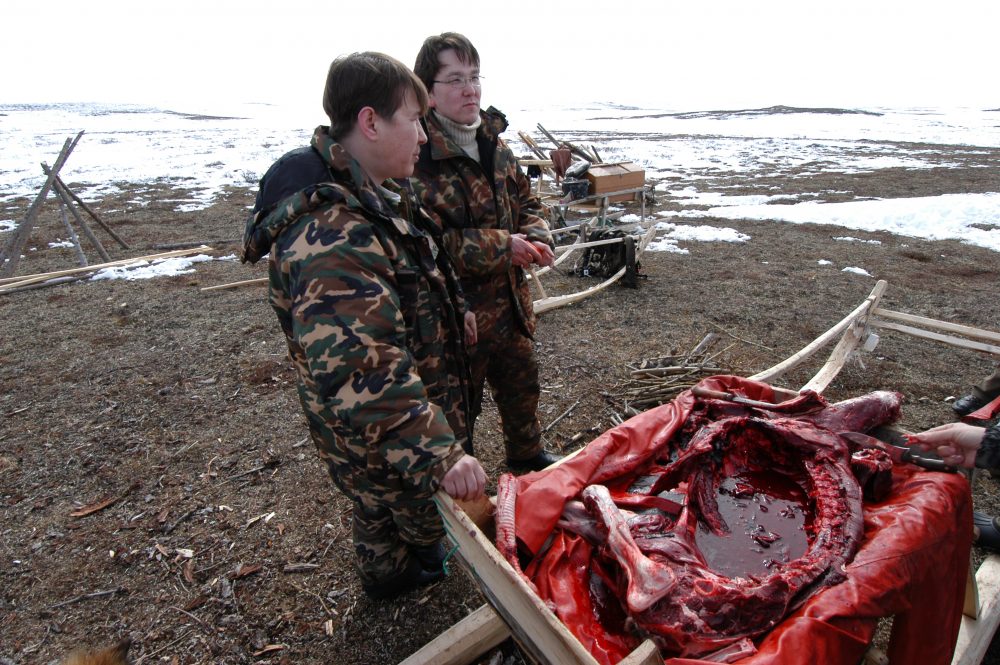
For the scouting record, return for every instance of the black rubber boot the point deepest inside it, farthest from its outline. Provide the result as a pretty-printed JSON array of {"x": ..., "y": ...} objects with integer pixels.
[
  {"x": 963, "y": 406},
  {"x": 989, "y": 533},
  {"x": 413, "y": 577},
  {"x": 431, "y": 557},
  {"x": 536, "y": 463}
]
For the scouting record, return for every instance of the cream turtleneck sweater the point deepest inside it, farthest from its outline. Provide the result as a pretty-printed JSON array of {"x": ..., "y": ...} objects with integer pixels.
[{"x": 463, "y": 135}]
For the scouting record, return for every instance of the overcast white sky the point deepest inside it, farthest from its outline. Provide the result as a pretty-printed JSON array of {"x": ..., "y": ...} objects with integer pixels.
[{"x": 682, "y": 55}]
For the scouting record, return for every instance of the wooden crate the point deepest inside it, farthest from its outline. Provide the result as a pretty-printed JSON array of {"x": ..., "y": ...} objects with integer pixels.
[
  {"x": 513, "y": 609},
  {"x": 614, "y": 178}
]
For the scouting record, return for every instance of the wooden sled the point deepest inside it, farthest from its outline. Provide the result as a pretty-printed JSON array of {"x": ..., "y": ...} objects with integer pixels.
[
  {"x": 633, "y": 252},
  {"x": 514, "y": 610}
]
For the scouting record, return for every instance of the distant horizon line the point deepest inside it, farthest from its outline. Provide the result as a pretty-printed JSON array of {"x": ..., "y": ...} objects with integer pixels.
[{"x": 171, "y": 106}]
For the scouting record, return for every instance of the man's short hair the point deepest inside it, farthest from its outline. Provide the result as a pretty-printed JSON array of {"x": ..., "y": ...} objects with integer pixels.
[
  {"x": 427, "y": 64},
  {"x": 367, "y": 79}
]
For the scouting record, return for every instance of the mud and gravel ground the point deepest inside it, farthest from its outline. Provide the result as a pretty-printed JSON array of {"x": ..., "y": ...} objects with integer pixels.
[{"x": 222, "y": 540}]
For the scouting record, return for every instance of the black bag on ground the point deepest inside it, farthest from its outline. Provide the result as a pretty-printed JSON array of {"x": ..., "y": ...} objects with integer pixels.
[{"x": 605, "y": 260}]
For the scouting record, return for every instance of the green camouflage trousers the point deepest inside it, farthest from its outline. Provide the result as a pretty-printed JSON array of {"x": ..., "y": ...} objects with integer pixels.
[
  {"x": 505, "y": 358},
  {"x": 989, "y": 388},
  {"x": 388, "y": 518}
]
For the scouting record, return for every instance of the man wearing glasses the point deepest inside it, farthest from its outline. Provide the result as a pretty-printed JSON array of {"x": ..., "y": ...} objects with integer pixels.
[{"x": 494, "y": 228}]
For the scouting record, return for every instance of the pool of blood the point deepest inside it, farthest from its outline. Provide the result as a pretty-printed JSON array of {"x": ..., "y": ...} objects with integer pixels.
[{"x": 768, "y": 519}]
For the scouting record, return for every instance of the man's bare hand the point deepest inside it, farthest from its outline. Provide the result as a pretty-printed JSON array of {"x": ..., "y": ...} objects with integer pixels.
[
  {"x": 546, "y": 256},
  {"x": 523, "y": 252},
  {"x": 471, "y": 331},
  {"x": 955, "y": 443},
  {"x": 466, "y": 480}
]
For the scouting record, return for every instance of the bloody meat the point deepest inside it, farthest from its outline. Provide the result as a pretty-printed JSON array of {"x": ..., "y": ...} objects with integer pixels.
[{"x": 739, "y": 519}]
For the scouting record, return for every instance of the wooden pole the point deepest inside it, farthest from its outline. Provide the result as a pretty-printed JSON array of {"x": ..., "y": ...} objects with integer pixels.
[
  {"x": 796, "y": 359},
  {"x": 79, "y": 220},
  {"x": 10, "y": 256},
  {"x": 80, "y": 257},
  {"x": 576, "y": 150},
  {"x": 41, "y": 285},
  {"x": 100, "y": 222},
  {"x": 8, "y": 284},
  {"x": 534, "y": 278},
  {"x": 233, "y": 285}
]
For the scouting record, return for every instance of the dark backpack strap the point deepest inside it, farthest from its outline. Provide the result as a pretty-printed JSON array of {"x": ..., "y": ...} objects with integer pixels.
[{"x": 294, "y": 171}]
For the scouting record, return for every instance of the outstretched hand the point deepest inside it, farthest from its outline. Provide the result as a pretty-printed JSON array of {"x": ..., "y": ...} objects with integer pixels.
[
  {"x": 955, "y": 443},
  {"x": 466, "y": 480}
]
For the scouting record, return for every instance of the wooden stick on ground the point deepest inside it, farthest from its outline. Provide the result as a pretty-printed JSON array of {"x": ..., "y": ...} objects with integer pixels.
[
  {"x": 233, "y": 285},
  {"x": 560, "y": 417},
  {"x": 88, "y": 596},
  {"x": 7, "y": 285}
]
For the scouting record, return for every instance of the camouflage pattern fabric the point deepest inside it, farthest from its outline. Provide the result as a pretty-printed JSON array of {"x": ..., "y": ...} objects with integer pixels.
[
  {"x": 373, "y": 325},
  {"x": 478, "y": 206},
  {"x": 989, "y": 388},
  {"x": 506, "y": 359},
  {"x": 988, "y": 455}
]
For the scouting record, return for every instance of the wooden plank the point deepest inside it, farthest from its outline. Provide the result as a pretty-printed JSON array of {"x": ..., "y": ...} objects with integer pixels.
[
  {"x": 946, "y": 339},
  {"x": 971, "y": 606},
  {"x": 850, "y": 340},
  {"x": 464, "y": 642},
  {"x": 923, "y": 321},
  {"x": 233, "y": 285},
  {"x": 604, "y": 195},
  {"x": 975, "y": 635},
  {"x": 593, "y": 243},
  {"x": 644, "y": 654},
  {"x": 807, "y": 351},
  {"x": 534, "y": 627},
  {"x": 19, "y": 282}
]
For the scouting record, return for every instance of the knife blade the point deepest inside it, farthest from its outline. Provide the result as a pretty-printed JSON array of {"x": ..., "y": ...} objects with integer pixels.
[
  {"x": 899, "y": 454},
  {"x": 708, "y": 393}
]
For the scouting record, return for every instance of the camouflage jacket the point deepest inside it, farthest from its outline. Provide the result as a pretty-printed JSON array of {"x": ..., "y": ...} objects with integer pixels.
[
  {"x": 479, "y": 205},
  {"x": 372, "y": 321}
]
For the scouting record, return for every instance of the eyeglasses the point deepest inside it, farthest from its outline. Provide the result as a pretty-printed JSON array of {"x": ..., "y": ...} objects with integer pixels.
[{"x": 459, "y": 83}]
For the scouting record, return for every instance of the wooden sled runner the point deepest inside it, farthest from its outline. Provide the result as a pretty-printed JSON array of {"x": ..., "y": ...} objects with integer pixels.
[
  {"x": 635, "y": 246},
  {"x": 514, "y": 610}
]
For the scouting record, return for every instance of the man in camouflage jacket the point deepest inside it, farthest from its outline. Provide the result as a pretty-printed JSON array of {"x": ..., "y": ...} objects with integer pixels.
[
  {"x": 494, "y": 228},
  {"x": 374, "y": 328}
]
